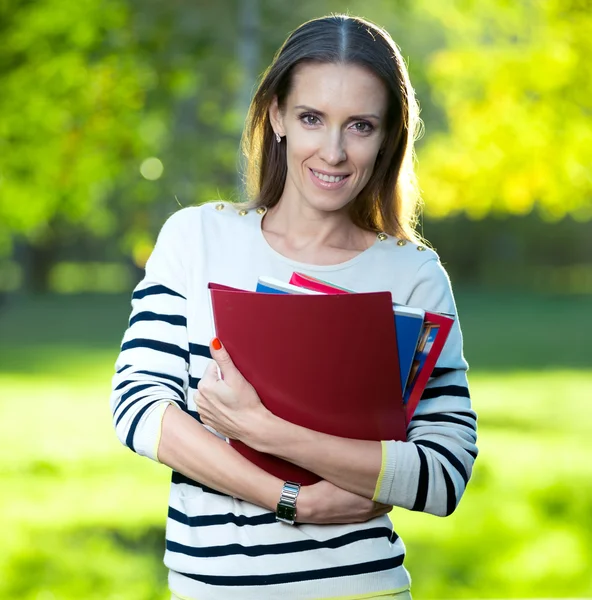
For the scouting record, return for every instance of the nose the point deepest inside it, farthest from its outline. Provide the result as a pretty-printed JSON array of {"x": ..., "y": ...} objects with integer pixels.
[{"x": 332, "y": 149}]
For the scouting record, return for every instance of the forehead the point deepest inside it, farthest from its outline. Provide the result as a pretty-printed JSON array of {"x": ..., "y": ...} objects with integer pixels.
[{"x": 338, "y": 89}]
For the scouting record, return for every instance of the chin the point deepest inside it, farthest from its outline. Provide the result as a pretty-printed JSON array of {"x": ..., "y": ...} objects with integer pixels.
[{"x": 330, "y": 204}]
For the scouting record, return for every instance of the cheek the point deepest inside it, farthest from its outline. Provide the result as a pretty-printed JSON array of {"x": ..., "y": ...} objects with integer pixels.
[
  {"x": 364, "y": 159},
  {"x": 301, "y": 146}
]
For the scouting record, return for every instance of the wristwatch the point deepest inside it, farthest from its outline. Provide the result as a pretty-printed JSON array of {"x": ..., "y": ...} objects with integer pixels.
[{"x": 286, "y": 507}]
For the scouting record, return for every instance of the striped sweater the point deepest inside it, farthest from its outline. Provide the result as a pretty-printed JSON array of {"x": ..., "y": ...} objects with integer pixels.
[{"x": 219, "y": 547}]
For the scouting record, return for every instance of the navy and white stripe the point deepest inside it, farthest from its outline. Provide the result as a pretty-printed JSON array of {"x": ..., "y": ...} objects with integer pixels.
[
  {"x": 216, "y": 544},
  {"x": 152, "y": 365}
]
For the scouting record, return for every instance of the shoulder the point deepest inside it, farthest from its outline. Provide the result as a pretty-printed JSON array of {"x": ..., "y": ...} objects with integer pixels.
[
  {"x": 209, "y": 217},
  {"x": 412, "y": 254},
  {"x": 180, "y": 221},
  {"x": 231, "y": 215},
  {"x": 419, "y": 271},
  {"x": 406, "y": 258},
  {"x": 430, "y": 287}
]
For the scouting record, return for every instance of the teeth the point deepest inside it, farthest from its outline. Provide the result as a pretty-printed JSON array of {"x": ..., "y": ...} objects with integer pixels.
[{"x": 328, "y": 178}]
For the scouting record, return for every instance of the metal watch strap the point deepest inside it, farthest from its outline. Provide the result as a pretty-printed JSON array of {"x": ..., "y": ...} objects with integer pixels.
[{"x": 286, "y": 507}]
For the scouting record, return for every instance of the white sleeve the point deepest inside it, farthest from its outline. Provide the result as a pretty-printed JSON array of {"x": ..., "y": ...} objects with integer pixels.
[{"x": 152, "y": 367}]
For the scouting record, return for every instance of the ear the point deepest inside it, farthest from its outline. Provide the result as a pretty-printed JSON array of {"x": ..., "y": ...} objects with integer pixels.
[{"x": 275, "y": 117}]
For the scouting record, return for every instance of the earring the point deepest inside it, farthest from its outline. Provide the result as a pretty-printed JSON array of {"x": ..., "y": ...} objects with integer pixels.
[{"x": 278, "y": 138}]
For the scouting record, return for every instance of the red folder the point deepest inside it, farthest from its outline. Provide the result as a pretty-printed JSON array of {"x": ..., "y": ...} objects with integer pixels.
[
  {"x": 443, "y": 322},
  {"x": 328, "y": 363}
]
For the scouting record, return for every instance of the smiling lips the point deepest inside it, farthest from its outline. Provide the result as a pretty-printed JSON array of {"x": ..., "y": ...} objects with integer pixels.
[
  {"x": 327, "y": 182},
  {"x": 328, "y": 178}
]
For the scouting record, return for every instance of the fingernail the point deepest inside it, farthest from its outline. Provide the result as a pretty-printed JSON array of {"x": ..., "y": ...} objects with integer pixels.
[{"x": 216, "y": 345}]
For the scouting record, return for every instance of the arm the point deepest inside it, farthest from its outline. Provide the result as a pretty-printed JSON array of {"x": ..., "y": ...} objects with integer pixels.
[
  {"x": 149, "y": 403},
  {"x": 429, "y": 472},
  {"x": 184, "y": 440},
  {"x": 353, "y": 465},
  {"x": 149, "y": 389},
  {"x": 222, "y": 468}
]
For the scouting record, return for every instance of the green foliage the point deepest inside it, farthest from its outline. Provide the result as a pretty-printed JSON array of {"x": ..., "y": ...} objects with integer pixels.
[
  {"x": 516, "y": 88},
  {"x": 70, "y": 277},
  {"x": 117, "y": 557},
  {"x": 85, "y": 517},
  {"x": 552, "y": 258},
  {"x": 72, "y": 90}
]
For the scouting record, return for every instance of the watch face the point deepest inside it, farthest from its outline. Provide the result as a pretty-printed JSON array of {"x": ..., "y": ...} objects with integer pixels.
[{"x": 288, "y": 513}]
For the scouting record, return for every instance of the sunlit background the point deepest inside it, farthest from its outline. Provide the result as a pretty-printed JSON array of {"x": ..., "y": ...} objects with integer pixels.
[{"x": 114, "y": 113}]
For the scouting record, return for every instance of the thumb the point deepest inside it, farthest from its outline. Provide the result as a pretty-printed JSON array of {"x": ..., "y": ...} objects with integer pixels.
[{"x": 228, "y": 371}]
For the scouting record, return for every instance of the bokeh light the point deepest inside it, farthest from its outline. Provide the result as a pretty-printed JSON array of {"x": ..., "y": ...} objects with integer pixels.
[{"x": 151, "y": 168}]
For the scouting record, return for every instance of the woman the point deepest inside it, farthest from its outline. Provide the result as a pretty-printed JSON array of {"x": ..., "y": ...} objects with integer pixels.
[{"x": 329, "y": 142}]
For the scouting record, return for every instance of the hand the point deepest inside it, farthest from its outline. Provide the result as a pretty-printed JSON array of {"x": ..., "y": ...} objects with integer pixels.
[
  {"x": 324, "y": 503},
  {"x": 230, "y": 404}
]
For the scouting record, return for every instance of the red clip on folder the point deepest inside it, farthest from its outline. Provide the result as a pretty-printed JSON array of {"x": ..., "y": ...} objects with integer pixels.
[{"x": 326, "y": 362}]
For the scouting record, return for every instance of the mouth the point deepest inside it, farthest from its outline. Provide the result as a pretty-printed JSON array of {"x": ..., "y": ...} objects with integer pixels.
[{"x": 326, "y": 181}]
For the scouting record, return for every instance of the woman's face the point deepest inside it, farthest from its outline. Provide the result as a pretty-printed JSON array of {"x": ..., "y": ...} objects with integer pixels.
[{"x": 334, "y": 123}]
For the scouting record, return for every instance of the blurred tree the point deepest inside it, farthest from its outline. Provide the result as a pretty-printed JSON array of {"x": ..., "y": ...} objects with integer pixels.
[
  {"x": 515, "y": 83},
  {"x": 105, "y": 108},
  {"x": 70, "y": 106}
]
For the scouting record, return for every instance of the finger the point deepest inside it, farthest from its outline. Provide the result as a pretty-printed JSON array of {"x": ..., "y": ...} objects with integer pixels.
[
  {"x": 227, "y": 368},
  {"x": 199, "y": 402},
  {"x": 210, "y": 376},
  {"x": 201, "y": 406}
]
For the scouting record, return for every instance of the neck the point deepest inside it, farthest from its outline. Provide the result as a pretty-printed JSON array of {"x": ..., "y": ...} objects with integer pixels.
[{"x": 303, "y": 227}]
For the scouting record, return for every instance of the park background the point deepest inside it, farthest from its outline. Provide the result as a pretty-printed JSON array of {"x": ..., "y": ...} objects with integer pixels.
[{"x": 114, "y": 113}]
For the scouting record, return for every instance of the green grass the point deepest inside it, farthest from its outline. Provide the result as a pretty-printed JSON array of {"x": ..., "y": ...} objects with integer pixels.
[{"x": 83, "y": 518}]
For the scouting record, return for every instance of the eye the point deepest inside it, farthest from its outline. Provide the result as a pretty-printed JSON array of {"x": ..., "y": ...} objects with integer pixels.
[
  {"x": 363, "y": 127},
  {"x": 309, "y": 119}
]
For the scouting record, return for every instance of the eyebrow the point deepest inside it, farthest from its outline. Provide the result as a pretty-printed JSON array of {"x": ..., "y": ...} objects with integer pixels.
[{"x": 322, "y": 114}]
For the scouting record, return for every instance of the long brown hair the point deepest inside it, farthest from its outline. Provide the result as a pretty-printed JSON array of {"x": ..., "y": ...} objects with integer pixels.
[{"x": 390, "y": 200}]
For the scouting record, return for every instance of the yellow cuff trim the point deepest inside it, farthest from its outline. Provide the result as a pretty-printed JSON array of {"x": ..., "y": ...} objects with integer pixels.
[
  {"x": 161, "y": 408},
  {"x": 176, "y": 596},
  {"x": 381, "y": 474},
  {"x": 400, "y": 594}
]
